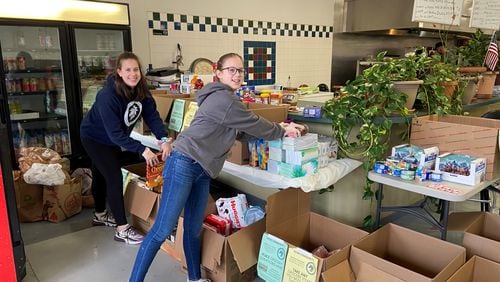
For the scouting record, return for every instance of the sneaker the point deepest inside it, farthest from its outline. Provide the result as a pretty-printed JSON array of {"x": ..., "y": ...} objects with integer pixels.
[
  {"x": 129, "y": 235},
  {"x": 199, "y": 280},
  {"x": 106, "y": 219}
]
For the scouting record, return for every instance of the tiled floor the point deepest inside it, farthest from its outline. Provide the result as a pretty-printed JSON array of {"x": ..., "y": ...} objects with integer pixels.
[{"x": 75, "y": 251}]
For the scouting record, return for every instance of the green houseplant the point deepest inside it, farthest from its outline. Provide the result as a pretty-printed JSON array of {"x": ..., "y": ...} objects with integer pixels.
[{"x": 361, "y": 116}]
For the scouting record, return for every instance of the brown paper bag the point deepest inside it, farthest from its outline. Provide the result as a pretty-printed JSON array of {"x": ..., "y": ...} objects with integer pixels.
[
  {"x": 62, "y": 201},
  {"x": 29, "y": 199}
]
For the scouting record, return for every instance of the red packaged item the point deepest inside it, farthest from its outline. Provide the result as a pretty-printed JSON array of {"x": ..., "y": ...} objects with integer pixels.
[
  {"x": 154, "y": 178},
  {"x": 222, "y": 225}
]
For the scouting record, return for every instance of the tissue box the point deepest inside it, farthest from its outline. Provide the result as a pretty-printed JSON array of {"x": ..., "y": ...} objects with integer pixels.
[
  {"x": 461, "y": 168},
  {"x": 301, "y": 156},
  {"x": 292, "y": 171}
]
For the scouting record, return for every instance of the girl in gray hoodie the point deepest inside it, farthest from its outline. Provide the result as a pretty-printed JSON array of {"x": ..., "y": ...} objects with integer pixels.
[{"x": 197, "y": 156}]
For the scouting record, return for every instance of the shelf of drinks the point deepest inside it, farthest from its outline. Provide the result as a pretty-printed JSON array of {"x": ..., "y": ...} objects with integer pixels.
[
  {"x": 41, "y": 117},
  {"x": 34, "y": 93}
]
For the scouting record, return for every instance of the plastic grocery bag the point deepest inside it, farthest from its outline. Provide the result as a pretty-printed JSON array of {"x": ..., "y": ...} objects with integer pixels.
[{"x": 45, "y": 174}]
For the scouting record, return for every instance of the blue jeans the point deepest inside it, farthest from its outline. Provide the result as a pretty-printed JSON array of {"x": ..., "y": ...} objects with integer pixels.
[{"x": 185, "y": 185}]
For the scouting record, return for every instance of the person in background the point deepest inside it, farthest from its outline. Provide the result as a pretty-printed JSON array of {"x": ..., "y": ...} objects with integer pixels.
[
  {"x": 439, "y": 49},
  {"x": 106, "y": 129},
  {"x": 198, "y": 155}
]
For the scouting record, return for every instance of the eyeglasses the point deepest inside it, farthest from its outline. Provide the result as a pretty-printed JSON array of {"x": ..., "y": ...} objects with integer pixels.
[{"x": 233, "y": 70}]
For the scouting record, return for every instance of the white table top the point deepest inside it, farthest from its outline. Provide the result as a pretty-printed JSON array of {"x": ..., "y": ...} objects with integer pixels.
[
  {"x": 444, "y": 190},
  {"x": 325, "y": 177}
]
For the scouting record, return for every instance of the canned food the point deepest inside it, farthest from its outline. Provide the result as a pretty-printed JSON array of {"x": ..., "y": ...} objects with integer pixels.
[
  {"x": 34, "y": 85},
  {"x": 26, "y": 85},
  {"x": 408, "y": 174},
  {"x": 437, "y": 176}
]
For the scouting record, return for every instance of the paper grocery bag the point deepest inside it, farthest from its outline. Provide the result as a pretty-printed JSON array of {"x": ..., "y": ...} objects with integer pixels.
[
  {"x": 62, "y": 201},
  {"x": 29, "y": 199}
]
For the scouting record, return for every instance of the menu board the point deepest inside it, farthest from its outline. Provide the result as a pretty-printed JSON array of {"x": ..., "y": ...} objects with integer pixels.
[
  {"x": 438, "y": 11},
  {"x": 485, "y": 14}
]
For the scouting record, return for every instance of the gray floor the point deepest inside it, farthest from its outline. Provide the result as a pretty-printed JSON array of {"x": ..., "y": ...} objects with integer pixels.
[{"x": 74, "y": 251}]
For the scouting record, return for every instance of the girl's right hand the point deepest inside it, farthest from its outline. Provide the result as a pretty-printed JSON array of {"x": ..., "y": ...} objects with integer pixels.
[{"x": 151, "y": 158}]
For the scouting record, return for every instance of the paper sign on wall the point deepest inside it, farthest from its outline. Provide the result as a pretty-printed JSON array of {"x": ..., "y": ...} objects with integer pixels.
[
  {"x": 272, "y": 255},
  {"x": 177, "y": 115},
  {"x": 300, "y": 266},
  {"x": 437, "y": 11},
  {"x": 485, "y": 14},
  {"x": 188, "y": 117}
]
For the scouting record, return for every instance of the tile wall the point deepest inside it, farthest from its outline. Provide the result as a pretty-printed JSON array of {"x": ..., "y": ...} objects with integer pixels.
[{"x": 274, "y": 52}]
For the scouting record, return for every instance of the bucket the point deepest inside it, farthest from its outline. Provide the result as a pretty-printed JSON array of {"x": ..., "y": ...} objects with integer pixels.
[
  {"x": 485, "y": 85},
  {"x": 410, "y": 88}
]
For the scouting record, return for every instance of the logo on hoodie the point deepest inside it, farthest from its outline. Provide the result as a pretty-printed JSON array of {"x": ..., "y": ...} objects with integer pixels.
[{"x": 132, "y": 113}]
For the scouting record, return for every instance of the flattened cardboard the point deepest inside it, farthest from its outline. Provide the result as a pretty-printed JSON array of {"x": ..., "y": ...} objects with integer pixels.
[
  {"x": 407, "y": 254},
  {"x": 473, "y": 136},
  {"x": 477, "y": 269}
]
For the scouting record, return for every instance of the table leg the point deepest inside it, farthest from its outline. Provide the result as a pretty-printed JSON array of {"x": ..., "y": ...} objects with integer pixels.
[
  {"x": 485, "y": 197},
  {"x": 444, "y": 222},
  {"x": 379, "y": 205}
]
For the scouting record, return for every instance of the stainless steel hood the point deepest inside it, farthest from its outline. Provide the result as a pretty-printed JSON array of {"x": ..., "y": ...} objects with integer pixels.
[{"x": 393, "y": 17}]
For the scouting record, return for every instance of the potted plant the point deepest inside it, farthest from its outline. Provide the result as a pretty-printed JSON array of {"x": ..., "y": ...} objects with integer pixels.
[
  {"x": 362, "y": 116},
  {"x": 441, "y": 89},
  {"x": 470, "y": 59},
  {"x": 402, "y": 72}
]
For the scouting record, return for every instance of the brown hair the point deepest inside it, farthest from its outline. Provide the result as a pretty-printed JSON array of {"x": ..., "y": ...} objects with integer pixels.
[
  {"x": 140, "y": 91},
  {"x": 223, "y": 58}
]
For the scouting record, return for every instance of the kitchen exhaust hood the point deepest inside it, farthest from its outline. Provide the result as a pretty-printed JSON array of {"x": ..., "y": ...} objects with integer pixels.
[{"x": 394, "y": 17}]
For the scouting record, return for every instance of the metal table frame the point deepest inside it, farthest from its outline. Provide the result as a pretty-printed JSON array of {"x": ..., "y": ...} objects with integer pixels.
[{"x": 464, "y": 192}]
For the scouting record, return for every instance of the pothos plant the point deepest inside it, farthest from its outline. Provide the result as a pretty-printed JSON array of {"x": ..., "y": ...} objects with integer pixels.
[
  {"x": 436, "y": 73},
  {"x": 361, "y": 116}
]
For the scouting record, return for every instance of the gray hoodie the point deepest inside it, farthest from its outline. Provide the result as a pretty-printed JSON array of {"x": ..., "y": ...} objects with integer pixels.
[{"x": 220, "y": 120}]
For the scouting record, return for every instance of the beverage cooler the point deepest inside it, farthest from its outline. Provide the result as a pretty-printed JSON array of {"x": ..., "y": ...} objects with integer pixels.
[
  {"x": 51, "y": 74},
  {"x": 55, "y": 58}
]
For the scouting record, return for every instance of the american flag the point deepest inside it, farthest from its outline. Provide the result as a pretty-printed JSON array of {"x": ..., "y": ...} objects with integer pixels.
[{"x": 491, "y": 58}]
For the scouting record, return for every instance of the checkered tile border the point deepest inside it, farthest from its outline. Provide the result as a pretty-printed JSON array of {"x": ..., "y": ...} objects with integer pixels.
[{"x": 159, "y": 22}]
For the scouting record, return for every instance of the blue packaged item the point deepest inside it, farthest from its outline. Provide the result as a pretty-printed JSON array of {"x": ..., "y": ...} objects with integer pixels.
[{"x": 312, "y": 112}]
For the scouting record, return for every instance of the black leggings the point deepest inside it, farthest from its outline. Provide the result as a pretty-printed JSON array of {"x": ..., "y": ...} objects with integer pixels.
[{"x": 107, "y": 181}]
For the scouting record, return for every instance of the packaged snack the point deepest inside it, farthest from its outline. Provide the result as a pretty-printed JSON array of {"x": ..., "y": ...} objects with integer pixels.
[
  {"x": 218, "y": 224},
  {"x": 233, "y": 209},
  {"x": 154, "y": 178}
]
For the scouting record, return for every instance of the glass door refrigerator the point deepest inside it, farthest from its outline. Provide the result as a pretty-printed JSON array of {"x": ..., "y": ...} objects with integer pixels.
[{"x": 52, "y": 54}]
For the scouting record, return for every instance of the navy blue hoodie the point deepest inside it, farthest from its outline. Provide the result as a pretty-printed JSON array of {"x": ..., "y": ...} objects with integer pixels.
[{"x": 112, "y": 117}]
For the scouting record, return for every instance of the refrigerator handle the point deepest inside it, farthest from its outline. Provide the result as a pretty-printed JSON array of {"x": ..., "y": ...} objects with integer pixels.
[{"x": 3, "y": 112}]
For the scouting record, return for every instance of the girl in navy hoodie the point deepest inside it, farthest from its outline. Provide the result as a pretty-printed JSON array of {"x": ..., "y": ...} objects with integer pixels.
[{"x": 105, "y": 132}]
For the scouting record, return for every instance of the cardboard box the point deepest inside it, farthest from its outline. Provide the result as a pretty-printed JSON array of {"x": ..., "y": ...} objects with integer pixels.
[
  {"x": 238, "y": 153},
  {"x": 460, "y": 134},
  {"x": 477, "y": 269},
  {"x": 164, "y": 104},
  {"x": 142, "y": 203},
  {"x": 29, "y": 199},
  {"x": 461, "y": 168},
  {"x": 226, "y": 258},
  {"x": 270, "y": 112},
  {"x": 408, "y": 255},
  {"x": 343, "y": 272},
  {"x": 62, "y": 201},
  {"x": 481, "y": 233},
  {"x": 289, "y": 218}
]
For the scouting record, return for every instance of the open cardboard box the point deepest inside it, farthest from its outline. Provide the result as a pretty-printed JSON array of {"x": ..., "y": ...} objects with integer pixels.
[
  {"x": 477, "y": 269},
  {"x": 343, "y": 272},
  {"x": 143, "y": 204},
  {"x": 481, "y": 233},
  {"x": 226, "y": 258},
  {"x": 407, "y": 255},
  {"x": 289, "y": 218},
  {"x": 473, "y": 136}
]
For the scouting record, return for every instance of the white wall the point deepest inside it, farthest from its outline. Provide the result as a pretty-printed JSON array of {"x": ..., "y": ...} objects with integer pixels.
[{"x": 306, "y": 60}]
